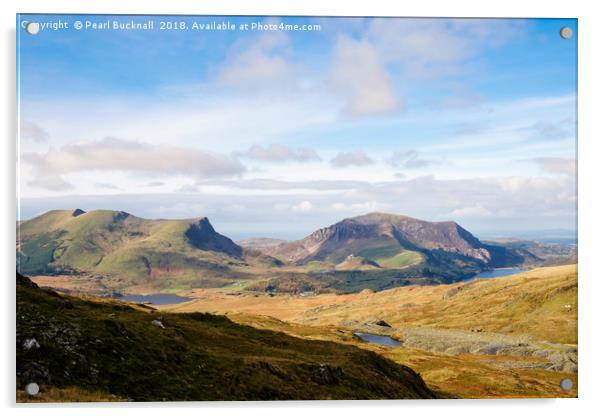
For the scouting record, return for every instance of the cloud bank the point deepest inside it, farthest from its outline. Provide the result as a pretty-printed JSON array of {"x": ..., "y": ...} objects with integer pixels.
[
  {"x": 112, "y": 154},
  {"x": 355, "y": 158},
  {"x": 279, "y": 153}
]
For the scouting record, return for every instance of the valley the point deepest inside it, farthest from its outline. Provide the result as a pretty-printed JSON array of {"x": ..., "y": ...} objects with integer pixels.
[
  {"x": 521, "y": 329},
  {"x": 407, "y": 290}
]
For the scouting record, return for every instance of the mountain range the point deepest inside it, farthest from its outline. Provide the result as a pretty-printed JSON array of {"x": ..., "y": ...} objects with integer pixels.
[{"x": 120, "y": 251}]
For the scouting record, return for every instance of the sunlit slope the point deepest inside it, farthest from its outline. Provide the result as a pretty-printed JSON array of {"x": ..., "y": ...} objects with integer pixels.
[
  {"x": 125, "y": 249},
  {"x": 541, "y": 302},
  {"x": 508, "y": 337}
]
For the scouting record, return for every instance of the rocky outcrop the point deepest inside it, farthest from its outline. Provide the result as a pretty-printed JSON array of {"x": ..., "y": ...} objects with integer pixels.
[
  {"x": 77, "y": 212},
  {"x": 202, "y": 235}
]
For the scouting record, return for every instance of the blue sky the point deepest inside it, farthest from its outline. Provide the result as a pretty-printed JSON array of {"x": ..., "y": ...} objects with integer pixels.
[{"x": 275, "y": 133}]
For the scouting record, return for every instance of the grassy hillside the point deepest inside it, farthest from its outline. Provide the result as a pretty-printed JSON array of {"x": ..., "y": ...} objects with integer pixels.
[
  {"x": 127, "y": 251},
  {"x": 541, "y": 302},
  {"x": 79, "y": 349},
  {"x": 508, "y": 337},
  {"x": 462, "y": 375}
]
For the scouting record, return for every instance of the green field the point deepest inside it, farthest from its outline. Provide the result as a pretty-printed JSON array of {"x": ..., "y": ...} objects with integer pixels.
[{"x": 403, "y": 259}]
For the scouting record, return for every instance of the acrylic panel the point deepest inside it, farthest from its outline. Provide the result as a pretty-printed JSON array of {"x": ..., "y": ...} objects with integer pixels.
[{"x": 224, "y": 208}]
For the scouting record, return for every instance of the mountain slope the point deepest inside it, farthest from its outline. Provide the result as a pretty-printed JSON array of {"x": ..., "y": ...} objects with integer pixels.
[
  {"x": 382, "y": 237},
  {"x": 109, "y": 348},
  {"x": 357, "y": 263},
  {"x": 259, "y": 243},
  {"x": 124, "y": 249}
]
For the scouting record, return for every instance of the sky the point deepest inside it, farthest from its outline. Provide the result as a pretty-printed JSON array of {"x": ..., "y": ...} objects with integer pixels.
[{"x": 272, "y": 132}]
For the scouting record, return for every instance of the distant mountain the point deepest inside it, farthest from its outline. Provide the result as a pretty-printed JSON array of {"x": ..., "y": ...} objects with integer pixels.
[
  {"x": 126, "y": 250},
  {"x": 549, "y": 253},
  {"x": 259, "y": 243},
  {"x": 105, "y": 251},
  {"x": 397, "y": 241}
]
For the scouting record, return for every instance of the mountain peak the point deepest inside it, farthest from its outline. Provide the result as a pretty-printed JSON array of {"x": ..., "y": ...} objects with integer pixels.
[
  {"x": 77, "y": 212},
  {"x": 204, "y": 221},
  {"x": 202, "y": 235},
  {"x": 378, "y": 229}
]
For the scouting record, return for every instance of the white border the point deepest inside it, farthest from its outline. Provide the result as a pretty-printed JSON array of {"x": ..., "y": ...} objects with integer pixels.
[{"x": 590, "y": 70}]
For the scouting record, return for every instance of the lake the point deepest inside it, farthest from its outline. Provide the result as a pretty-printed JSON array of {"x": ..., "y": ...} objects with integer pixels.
[
  {"x": 377, "y": 339},
  {"x": 492, "y": 274},
  {"x": 156, "y": 299}
]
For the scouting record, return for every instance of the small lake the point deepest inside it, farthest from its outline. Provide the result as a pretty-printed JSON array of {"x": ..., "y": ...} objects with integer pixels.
[
  {"x": 156, "y": 299},
  {"x": 377, "y": 339},
  {"x": 492, "y": 274}
]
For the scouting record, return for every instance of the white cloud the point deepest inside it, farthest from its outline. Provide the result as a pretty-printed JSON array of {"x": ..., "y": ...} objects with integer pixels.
[
  {"x": 185, "y": 209},
  {"x": 280, "y": 153},
  {"x": 234, "y": 120},
  {"x": 417, "y": 48},
  {"x": 557, "y": 165},
  {"x": 301, "y": 207},
  {"x": 31, "y": 131},
  {"x": 111, "y": 154},
  {"x": 355, "y": 158},
  {"x": 472, "y": 211},
  {"x": 260, "y": 59},
  {"x": 360, "y": 207},
  {"x": 52, "y": 183},
  {"x": 409, "y": 159},
  {"x": 155, "y": 184},
  {"x": 103, "y": 185},
  {"x": 360, "y": 76},
  {"x": 294, "y": 210},
  {"x": 427, "y": 48},
  {"x": 188, "y": 188}
]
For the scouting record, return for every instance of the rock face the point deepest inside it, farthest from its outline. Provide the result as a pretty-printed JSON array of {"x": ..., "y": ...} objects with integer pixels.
[
  {"x": 408, "y": 233},
  {"x": 158, "y": 323},
  {"x": 202, "y": 235},
  {"x": 77, "y": 212}
]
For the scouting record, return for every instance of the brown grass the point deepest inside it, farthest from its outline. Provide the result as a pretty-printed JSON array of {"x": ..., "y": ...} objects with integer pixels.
[
  {"x": 66, "y": 395},
  {"x": 534, "y": 303},
  {"x": 541, "y": 303},
  {"x": 472, "y": 376}
]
